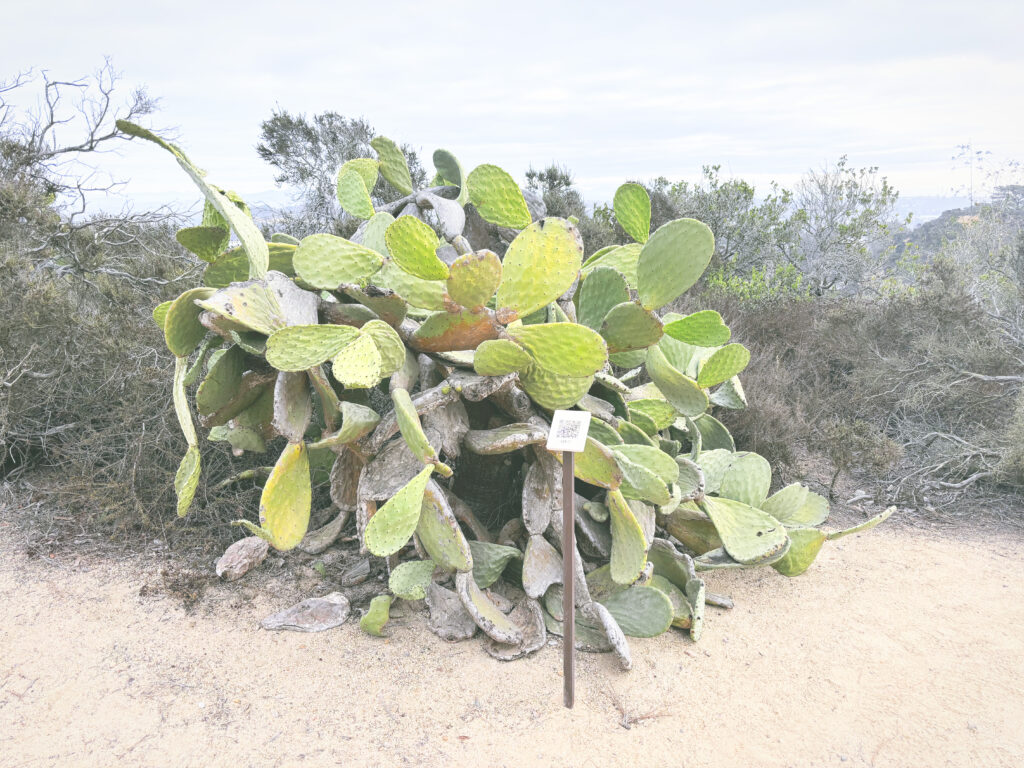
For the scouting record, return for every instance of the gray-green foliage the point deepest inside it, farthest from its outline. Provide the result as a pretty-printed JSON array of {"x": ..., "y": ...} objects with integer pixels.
[{"x": 326, "y": 336}]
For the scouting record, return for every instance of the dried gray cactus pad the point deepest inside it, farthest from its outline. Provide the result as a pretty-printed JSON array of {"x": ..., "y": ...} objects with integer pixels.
[
  {"x": 313, "y": 615},
  {"x": 315, "y": 542},
  {"x": 241, "y": 557},
  {"x": 449, "y": 618},
  {"x": 528, "y": 616}
]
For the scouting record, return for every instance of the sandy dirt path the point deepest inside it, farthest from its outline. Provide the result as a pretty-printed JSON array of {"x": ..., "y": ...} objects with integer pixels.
[{"x": 897, "y": 649}]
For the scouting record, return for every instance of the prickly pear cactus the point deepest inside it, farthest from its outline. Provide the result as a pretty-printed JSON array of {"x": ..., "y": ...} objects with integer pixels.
[{"x": 407, "y": 352}]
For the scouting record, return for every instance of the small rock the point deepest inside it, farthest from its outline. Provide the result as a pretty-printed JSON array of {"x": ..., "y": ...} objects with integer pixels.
[
  {"x": 313, "y": 615},
  {"x": 241, "y": 557}
]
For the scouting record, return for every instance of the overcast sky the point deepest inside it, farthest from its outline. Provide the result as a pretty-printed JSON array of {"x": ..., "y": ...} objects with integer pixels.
[{"x": 613, "y": 90}]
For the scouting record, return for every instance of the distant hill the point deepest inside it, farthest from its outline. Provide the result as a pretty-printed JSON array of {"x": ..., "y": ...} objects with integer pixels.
[{"x": 927, "y": 208}]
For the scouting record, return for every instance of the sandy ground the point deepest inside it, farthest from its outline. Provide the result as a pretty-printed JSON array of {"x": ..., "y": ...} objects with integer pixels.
[{"x": 897, "y": 649}]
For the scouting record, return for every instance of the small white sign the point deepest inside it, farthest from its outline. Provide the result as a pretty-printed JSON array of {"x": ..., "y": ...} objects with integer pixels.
[{"x": 569, "y": 431}]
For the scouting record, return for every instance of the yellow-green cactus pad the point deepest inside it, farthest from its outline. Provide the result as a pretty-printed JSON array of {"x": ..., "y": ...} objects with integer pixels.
[
  {"x": 489, "y": 560},
  {"x": 498, "y": 357},
  {"x": 286, "y": 499},
  {"x": 376, "y": 616},
  {"x": 680, "y": 390},
  {"x": 367, "y": 169},
  {"x": 805, "y": 544},
  {"x": 389, "y": 344},
  {"x": 411, "y": 428},
  {"x": 628, "y": 327},
  {"x": 622, "y": 259},
  {"x": 186, "y": 479},
  {"x": 357, "y": 421},
  {"x": 392, "y": 525},
  {"x": 631, "y": 434},
  {"x": 661, "y": 413},
  {"x": 723, "y": 365},
  {"x": 629, "y": 547},
  {"x": 566, "y": 349},
  {"x": 160, "y": 313},
  {"x": 450, "y": 171},
  {"x": 393, "y": 165},
  {"x": 633, "y": 212},
  {"x": 326, "y": 261},
  {"x": 233, "y": 266},
  {"x": 641, "y": 483},
  {"x": 596, "y": 464},
  {"x": 497, "y": 197},
  {"x": 746, "y": 478},
  {"x": 749, "y": 535},
  {"x": 300, "y": 347},
  {"x": 413, "y": 245},
  {"x": 439, "y": 533},
  {"x": 248, "y": 233},
  {"x": 672, "y": 261},
  {"x": 474, "y": 278},
  {"x": 552, "y": 391},
  {"x": 358, "y": 364},
  {"x": 410, "y": 580},
  {"x": 730, "y": 395},
  {"x": 702, "y": 329},
  {"x": 867, "y": 525},
  {"x": 375, "y": 234},
  {"x": 603, "y": 289},
  {"x": 181, "y": 409},
  {"x": 425, "y": 294},
  {"x": 485, "y": 613},
  {"x": 182, "y": 329},
  {"x": 641, "y": 611},
  {"x": 791, "y": 508},
  {"x": 281, "y": 237},
  {"x": 540, "y": 265},
  {"x": 644, "y": 422},
  {"x": 650, "y": 458},
  {"x": 205, "y": 242},
  {"x": 453, "y": 331},
  {"x": 353, "y": 194},
  {"x": 603, "y": 433}
]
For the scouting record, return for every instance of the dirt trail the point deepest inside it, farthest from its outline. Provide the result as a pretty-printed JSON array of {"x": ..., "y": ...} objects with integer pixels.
[{"x": 896, "y": 649}]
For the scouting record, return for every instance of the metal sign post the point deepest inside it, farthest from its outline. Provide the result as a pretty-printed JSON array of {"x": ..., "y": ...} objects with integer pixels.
[{"x": 569, "y": 435}]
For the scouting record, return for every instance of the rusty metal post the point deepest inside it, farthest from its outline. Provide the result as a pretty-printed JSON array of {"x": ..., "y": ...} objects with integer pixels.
[{"x": 568, "y": 579}]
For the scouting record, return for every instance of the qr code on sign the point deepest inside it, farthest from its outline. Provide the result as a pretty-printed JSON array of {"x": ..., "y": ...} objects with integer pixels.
[{"x": 568, "y": 430}]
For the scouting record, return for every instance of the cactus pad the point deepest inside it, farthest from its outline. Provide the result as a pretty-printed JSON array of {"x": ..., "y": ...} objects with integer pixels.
[
  {"x": 653, "y": 459},
  {"x": 566, "y": 349},
  {"x": 641, "y": 611},
  {"x": 596, "y": 464},
  {"x": 551, "y": 391},
  {"x": 186, "y": 479},
  {"x": 867, "y": 525},
  {"x": 367, "y": 169},
  {"x": 660, "y": 412},
  {"x": 413, "y": 245},
  {"x": 628, "y": 326},
  {"x": 542, "y": 566},
  {"x": 233, "y": 266},
  {"x": 730, "y": 395},
  {"x": 376, "y": 616},
  {"x": 425, "y": 294},
  {"x": 622, "y": 259},
  {"x": 327, "y": 261},
  {"x": 205, "y": 242},
  {"x": 389, "y": 344},
  {"x": 182, "y": 329},
  {"x": 453, "y": 331},
  {"x": 603, "y": 433},
  {"x": 410, "y": 580},
  {"x": 504, "y": 439},
  {"x": 680, "y": 390},
  {"x": 358, "y": 364},
  {"x": 385, "y": 304},
  {"x": 392, "y": 525},
  {"x": 723, "y": 365},
  {"x": 450, "y": 170},
  {"x": 540, "y": 265},
  {"x": 374, "y": 235},
  {"x": 300, "y": 347},
  {"x": 633, "y": 211},
  {"x": 629, "y": 547},
  {"x": 286, "y": 498},
  {"x": 603, "y": 289},
  {"x": 748, "y": 534},
  {"x": 498, "y": 357},
  {"x": 746, "y": 477},
  {"x": 292, "y": 405},
  {"x": 702, "y": 329},
  {"x": 492, "y": 621},
  {"x": 353, "y": 194},
  {"x": 489, "y": 560},
  {"x": 393, "y": 165},
  {"x": 411, "y": 428},
  {"x": 357, "y": 421},
  {"x": 439, "y": 533},
  {"x": 672, "y": 261},
  {"x": 497, "y": 197},
  {"x": 473, "y": 278},
  {"x": 805, "y": 544}
]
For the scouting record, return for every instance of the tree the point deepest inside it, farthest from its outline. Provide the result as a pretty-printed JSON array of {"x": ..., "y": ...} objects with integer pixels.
[{"x": 308, "y": 152}]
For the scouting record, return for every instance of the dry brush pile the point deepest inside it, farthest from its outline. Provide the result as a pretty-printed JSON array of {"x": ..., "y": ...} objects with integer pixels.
[{"x": 383, "y": 359}]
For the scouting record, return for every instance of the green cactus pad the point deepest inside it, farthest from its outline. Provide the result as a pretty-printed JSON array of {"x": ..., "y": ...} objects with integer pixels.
[
  {"x": 474, "y": 278},
  {"x": 730, "y": 395},
  {"x": 785, "y": 505},
  {"x": 696, "y": 596},
  {"x": 376, "y": 616},
  {"x": 504, "y": 439},
  {"x": 680, "y": 390},
  {"x": 425, "y": 294},
  {"x": 641, "y": 483},
  {"x": 603, "y": 289},
  {"x": 300, "y": 347},
  {"x": 633, "y": 211},
  {"x": 367, "y": 169},
  {"x": 205, "y": 242},
  {"x": 702, "y": 329},
  {"x": 439, "y": 532},
  {"x": 682, "y": 617},
  {"x": 393, "y": 165},
  {"x": 723, "y": 365},
  {"x": 222, "y": 382},
  {"x": 565, "y": 349},
  {"x": 497, "y": 197},
  {"x": 411, "y": 428},
  {"x": 631, "y": 434},
  {"x": 748, "y": 534},
  {"x": 867, "y": 525},
  {"x": 386, "y": 304},
  {"x": 747, "y": 478},
  {"x": 389, "y": 344},
  {"x": 450, "y": 170},
  {"x": 392, "y": 525},
  {"x": 672, "y": 565},
  {"x": 358, "y": 364},
  {"x": 357, "y": 421},
  {"x": 413, "y": 245},
  {"x": 186, "y": 479},
  {"x": 629, "y": 546},
  {"x": 453, "y": 331},
  {"x": 410, "y": 580},
  {"x": 160, "y": 313},
  {"x": 672, "y": 261},
  {"x": 622, "y": 259},
  {"x": 641, "y": 611},
  {"x": 248, "y": 233},
  {"x": 353, "y": 194},
  {"x": 644, "y": 422},
  {"x": 805, "y": 544},
  {"x": 596, "y": 464},
  {"x": 551, "y": 391},
  {"x": 661, "y": 413},
  {"x": 182, "y": 329},
  {"x": 489, "y": 560},
  {"x": 492, "y": 621},
  {"x": 498, "y": 357},
  {"x": 603, "y": 433},
  {"x": 628, "y": 327},
  {"x": 376, "y": 231},
  {"x": 327, "y": 261},
  {"x": 251, "y": 305},
  {"x": 540, "y": 265},
  {"x": 286, "y": 499},
  {"x": 652, "y": 459},
  {"x": 233, "y": 266},
  {"x": 283, "y": 239},
  {"x": 713, "y": 434}
]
